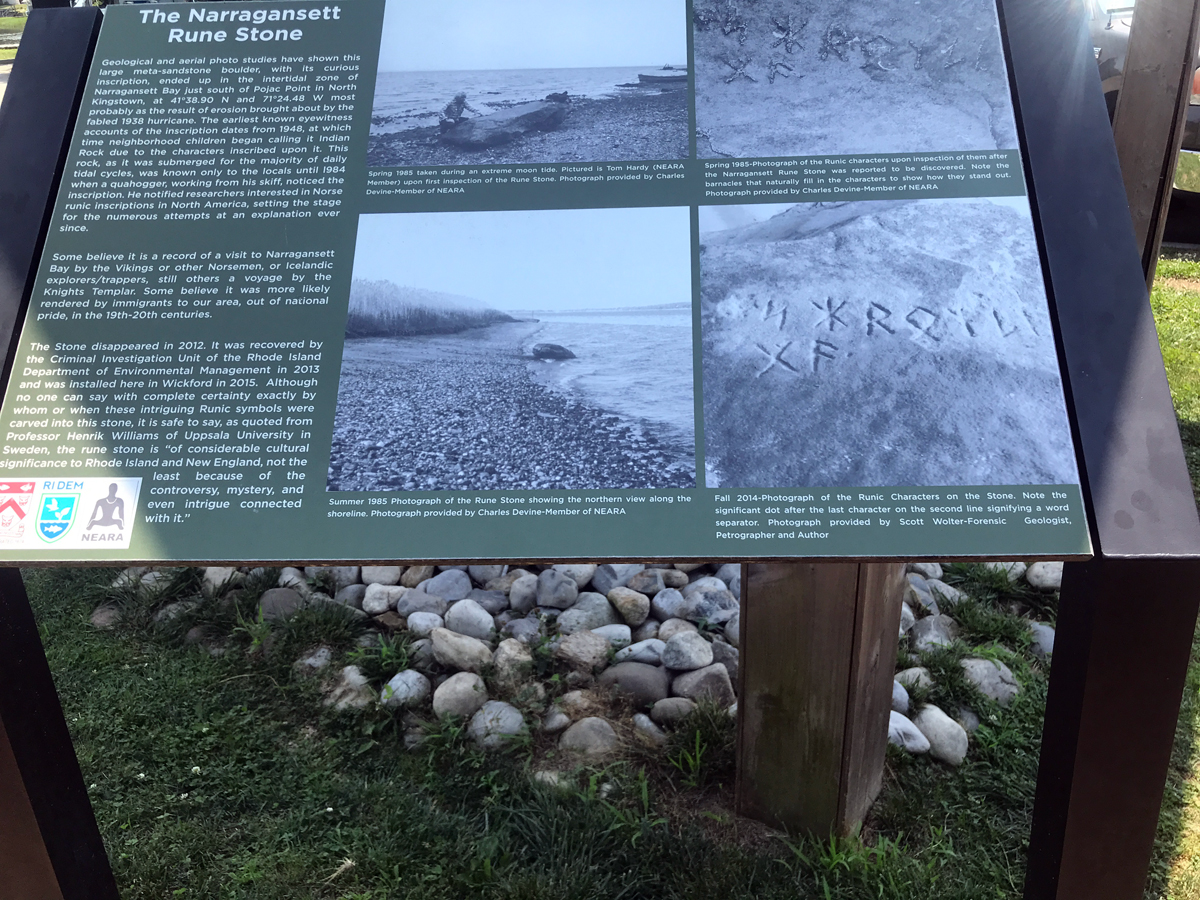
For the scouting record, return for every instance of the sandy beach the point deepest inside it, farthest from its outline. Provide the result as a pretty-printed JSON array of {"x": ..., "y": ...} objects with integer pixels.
[
  {"x": 462, "y": 412},
  {"x": 639, "y": 124}
]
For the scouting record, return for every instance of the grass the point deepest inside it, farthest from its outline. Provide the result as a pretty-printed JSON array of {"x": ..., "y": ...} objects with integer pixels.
[{"x": 223, "y": 776}]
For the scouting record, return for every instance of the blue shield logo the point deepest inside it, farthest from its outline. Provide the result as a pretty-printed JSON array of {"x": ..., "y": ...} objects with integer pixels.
[{"x": 55, "y": 515}]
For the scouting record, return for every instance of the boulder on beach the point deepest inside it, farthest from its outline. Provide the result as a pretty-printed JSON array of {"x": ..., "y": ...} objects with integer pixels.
[
  {"x": 551, "y": 351},
  {"x": 506, "y": 125}
]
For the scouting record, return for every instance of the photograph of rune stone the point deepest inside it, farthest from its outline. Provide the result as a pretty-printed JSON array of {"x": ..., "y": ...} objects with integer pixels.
[
  {"x": 784, "y": 78},
  {"x": 878, "y": 343},
  {"x": 475, "y": 82},
  {"x": 547, "y": 349}
]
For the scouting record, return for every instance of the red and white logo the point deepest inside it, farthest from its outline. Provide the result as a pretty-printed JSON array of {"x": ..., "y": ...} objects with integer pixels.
[{"x": 16, "y": 498}]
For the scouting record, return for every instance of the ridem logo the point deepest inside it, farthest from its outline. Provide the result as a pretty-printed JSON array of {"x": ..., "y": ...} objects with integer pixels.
[{"x": 55, "y": 515}]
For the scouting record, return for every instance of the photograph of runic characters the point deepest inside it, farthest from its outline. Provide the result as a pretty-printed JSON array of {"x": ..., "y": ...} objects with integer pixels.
[
  {"x": 784, "y": 78},
  {"x": 878, "y": 343},
  {"x": 476, "y": 82},
  {"x": 546, "y": 349}
]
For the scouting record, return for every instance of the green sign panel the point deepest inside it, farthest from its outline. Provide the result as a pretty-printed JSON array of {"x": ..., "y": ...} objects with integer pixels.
[{"x": 641, "y": 279}]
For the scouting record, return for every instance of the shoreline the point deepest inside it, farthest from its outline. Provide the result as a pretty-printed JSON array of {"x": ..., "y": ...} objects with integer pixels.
[
  {"x": 637, "y": 124},
  {"x": 464, "y": 412}
]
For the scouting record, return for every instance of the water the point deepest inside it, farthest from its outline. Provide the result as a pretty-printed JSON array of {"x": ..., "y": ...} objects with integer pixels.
[
  {"x": 414, "y": 99},
  {"x": 634, "y": 362}
]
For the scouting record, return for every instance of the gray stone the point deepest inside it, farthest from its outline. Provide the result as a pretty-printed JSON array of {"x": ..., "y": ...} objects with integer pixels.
[
  {"x": 406, "y": 689},
  {"x": 644, "y": 684},
  {"x": 671, "y": 711},
  {"x": 617, "y": 635},
  {"x": 292, "y": 577},
  {"x": 1014, "y": 570},
  {"x": 454, "y": 568},
  {"x": 413, "y": 601},
  {"x": 352, "y": 595},
  {"x": 105, "y": 617},
  {"x": 583, "y": 651},
  {"x": 945, "y": 594},
  {"x": 279, "y": 603},
  {"x": 1045, "y": 576},
  {"x": 933, "y": 631},
  {"x": 686, "y": 651},
  {"x": 555, "y": 721},
  {"x": 647, "y": 581},
  {"x": 713, "y": 606},
  {"x": 916, "y": 677},
  {"x": 379, "y": 598},
  {"x": 580, "y": 573},
  {"x": 1043, "y": 639},
  {"x": 735, "y": 586},
  {"x": 673, "y": 578},
  {"x": 527, "y": 630},
  {"x": 451, "y": 585},
  {"x": 926, "y": 570},
  {"x": 459, "y": 651},
  {"x": 495, "y": 602},
  {"x": 590, "y": 737},
  {"x": 727, "y": 655},
  {"x": 420, "y": 654},
  {"x": 512, "y": 664},
  {"x": 672, "y": 627},
  {"x": 216, "y": 577},
  {"x": 340, "y": 575},
  {"x": 905, "y": 734},
  {"x": 947, "y": 739},
  {"x": 381, "y": 574},
  {"x": 669, "y": 604},
  {"x": 992, "y": 679},
  {"x": 899, "y": 698},
  {"x": 469, "y": 618},
  {"x": 917, "y": 593},
  {"x": 644, "y": 726},
  {"x": 505, "y": 582},
  {"x": 576, "y": 704},
  {"x": 315, "y": 661},
  {"x": 907, "y": 619},
  {"x": 556, "y": 589},
  {"x": 967, "y": 719},
  {"x": 553, "y": 781},
  {"x": 733, "y": 629},
  {"x": 633, "y": 606},
  {"x": 495, "y": 725},
  {"x": 648, "y": 652},
  {"x": 704, "y": 583},
  {"x": 611, "y": 575},
  {"x": 647, "y": 631},
  {"x": 484, "y": 574},
  {"x": 711, "y": 681},
  {"x": 591, "y": 611},
  {"x": 551, "y": 351},
  {"x": 522, "y": 594},
  {"x": 728, "y": 572},
  {"x": 351, "y": 691},
  {"x": 689, "y": 567},
  {"x": 462, "y": 694},
  {"x": 415, "y": 575},
  {"x": 422, "y": 624}
]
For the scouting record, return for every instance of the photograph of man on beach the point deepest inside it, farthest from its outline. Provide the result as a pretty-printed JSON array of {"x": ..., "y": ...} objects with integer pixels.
[
  {"x": 879, "y": 343},
  {"x": 480, "y": 82},
  {"x": 522, "y": 350},
  {"x": 787, "y": 78}
]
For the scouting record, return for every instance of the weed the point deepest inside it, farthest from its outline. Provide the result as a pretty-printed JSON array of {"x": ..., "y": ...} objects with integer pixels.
[
  {"x": 689, "y": 762},
  {"x": 383, "y": 659}
]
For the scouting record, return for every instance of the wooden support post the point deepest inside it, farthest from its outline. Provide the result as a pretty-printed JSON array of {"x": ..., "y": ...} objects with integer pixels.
[
  {"x": 25, "y": 868},
  {"x": 1151, "y": 109},
  {"x": 818, "y": 651}
]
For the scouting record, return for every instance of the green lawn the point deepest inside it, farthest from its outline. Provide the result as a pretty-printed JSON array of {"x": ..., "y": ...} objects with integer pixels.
[{"x": 224, "y": 777}]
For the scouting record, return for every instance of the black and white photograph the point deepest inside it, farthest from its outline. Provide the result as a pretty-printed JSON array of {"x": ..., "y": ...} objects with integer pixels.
[
  {"x": 781, "y": 78},
  {"x": 518, "y": 350},
  {"x": 476, "y": 82},
  {"x": 898, "y": 343}
]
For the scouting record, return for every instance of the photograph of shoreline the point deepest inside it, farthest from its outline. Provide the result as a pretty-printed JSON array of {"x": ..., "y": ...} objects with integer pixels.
[
  {"x": 519, "y": 350},
  {"x": 473, "y": 82},
  {"x": 779, "y": 78},
  {"x": 879, "y": 343}
]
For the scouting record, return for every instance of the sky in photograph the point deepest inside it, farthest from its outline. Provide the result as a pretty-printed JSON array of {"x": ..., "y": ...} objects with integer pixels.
[
  {"x": 444, "y": 35},
  {"x": 541, "y": 259}
]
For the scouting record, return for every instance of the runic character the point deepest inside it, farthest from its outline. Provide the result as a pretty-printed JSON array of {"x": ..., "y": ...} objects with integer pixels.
[
  {"x": 838, "y": 41},
  {"x": 739, "y": 70},
  {"x": 877, "y": 316},
  {"x": 777, "y": 67},
  {"x": 875, "y": 51},
  {"x": 776, "y": 359},
  {"x": 787, "y": 33},
  {"x": 733, "y": 23},
  {"x": 1003, "y": 325},
  {"x": 831, "y": 317},
  {"x": 916, "y": 318},
  {"x": 823, "y": 350},
  {"x": 772, "y": 311}
]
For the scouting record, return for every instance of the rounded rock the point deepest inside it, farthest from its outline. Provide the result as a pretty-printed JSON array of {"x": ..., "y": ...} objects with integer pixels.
[
  {"x": 451, "y": 585},
  {"x": 644, "y": 684},
  {"x": 406, "y": 689},
  {"x": 686, "y": 651},
  {"x": 422, "y": 624},
  {"x": 633, "y": 605},
  {"x": 671, "y": 711},
  {"x": 495, "y": 724},
  {"x": 590, "y": 737},
  {"x": 462, "y": 694},
  {"x": 469, "y": 618}
]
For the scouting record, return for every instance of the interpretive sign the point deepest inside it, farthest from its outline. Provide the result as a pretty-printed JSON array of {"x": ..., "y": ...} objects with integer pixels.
[{"x": 543, "y": 279}]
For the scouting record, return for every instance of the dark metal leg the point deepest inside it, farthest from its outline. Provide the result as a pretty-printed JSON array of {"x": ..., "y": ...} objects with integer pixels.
[
  {"x": 1120, "y": 661},
  {"x": 41, "y": 745}
]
